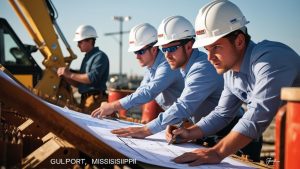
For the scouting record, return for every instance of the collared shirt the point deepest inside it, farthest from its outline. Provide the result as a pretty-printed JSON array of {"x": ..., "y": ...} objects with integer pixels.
[
  {"x": 160, "y": 82},
  {"x": 96, "y": 64},
  {"x": 266, "y": 68},
  {"x": 201, "y": 93}
]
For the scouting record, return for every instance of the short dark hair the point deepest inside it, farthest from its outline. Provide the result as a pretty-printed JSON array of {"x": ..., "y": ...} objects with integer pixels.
[
  {"x": 94, "y": 41},
  {"x": 152, "y": 44},
  {"x": 232, "y": 35}
]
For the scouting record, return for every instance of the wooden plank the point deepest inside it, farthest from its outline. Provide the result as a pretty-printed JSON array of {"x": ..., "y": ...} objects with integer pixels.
[
  {"x": 290, "y": 93},
  {"x": 32, "y": 106}
]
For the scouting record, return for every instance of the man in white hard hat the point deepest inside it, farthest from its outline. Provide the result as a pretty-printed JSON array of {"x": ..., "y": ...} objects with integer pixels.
[
  {"x": 160, "y": 82},
  {"x": 253, "y": 74},
  {"x": 94, "y": 70},
  {"x": 203, "y": 86}
]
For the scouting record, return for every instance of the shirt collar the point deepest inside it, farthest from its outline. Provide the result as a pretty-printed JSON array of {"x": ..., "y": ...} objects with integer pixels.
[
  {"x": 191, "y": 60},
  {"x": 157, "y": 61},
  {"x": 246, "y": 60},
  {"x": 92, "y": 52}
]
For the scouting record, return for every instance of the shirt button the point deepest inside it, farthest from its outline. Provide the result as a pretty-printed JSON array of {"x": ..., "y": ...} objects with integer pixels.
[{"x": 244, "y": 95}]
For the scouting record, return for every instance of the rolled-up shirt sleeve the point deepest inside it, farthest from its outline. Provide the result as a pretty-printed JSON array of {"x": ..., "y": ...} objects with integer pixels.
[{"x": 266, "y": 68}]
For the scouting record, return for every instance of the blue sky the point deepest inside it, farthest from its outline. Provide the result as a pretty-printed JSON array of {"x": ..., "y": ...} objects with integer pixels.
[{"x": 275, "y": 20}]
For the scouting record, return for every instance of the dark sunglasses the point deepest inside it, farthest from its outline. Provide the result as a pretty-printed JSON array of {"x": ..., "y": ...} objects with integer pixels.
[
  {"x": 174, "y": 48},
  {"x": 142, "y": 51}
]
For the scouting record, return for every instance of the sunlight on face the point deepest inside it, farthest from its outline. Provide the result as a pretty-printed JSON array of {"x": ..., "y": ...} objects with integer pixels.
[
  {"x": 222, "y": 55},
  {"x": 85, "y": 45},
  {"x": 176, "y": 59},
  {"x": 146, "y": 59}
]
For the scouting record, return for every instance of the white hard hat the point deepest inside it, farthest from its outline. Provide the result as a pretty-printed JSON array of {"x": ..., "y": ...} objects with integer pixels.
[
  {"x": 140, "y": 36},
  {"x": 85, "y": 32},
  {"x": 217, "y": 19},
  {"x": 174, "y": 28}
]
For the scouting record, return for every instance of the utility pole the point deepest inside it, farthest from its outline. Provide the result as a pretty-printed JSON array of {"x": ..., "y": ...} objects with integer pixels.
[{"x": 121, "y": 19}]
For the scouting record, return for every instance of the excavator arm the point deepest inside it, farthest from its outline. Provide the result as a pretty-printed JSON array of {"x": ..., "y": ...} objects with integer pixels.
[{"x": 39, "y": 18}]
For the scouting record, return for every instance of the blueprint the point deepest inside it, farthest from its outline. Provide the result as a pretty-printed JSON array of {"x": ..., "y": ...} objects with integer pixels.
[{"x": 152, "y": 150}]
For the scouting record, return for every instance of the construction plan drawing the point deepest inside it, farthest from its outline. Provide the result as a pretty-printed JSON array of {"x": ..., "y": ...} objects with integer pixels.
[{"x": 152, "y": 150}]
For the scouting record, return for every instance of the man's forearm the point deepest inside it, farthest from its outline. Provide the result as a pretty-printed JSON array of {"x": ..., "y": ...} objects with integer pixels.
[
  {"x": 81, "y": 78},
  {"x": 195, "y": 132},
  {"x": 71, "y": 82},
  {"x": 117, "y": 105},
  {"x": 231, "y": 144}
]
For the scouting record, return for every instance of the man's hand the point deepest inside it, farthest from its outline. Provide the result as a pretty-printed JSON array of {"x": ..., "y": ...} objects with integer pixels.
[
  {"x": 228, "y": 145},
  {"x": 199, "y": 156},
  {"x": 136, "y": 132},
  {"x": 173, "y": 131},
  {"x": 192, "y": 132},
  {"x": 64, "y": 71},
  {"x": 104, "y": 110}
]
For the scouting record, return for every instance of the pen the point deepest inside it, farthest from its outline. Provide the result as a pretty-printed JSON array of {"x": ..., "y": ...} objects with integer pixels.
[
  {"x": 113, "y": 116},
  {"x": 176, "y": 138}
]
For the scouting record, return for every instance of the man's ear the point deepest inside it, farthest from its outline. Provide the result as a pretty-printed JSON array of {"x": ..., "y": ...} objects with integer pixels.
[
  {"x": 154, "y": 50},
  {"x": 240, "y": 41},
  {"x": 189, "y": 46}
]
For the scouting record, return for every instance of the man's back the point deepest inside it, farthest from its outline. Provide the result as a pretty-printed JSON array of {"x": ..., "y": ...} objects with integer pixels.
[
  {"x": 96, "y": 65},
  {"x": 266, "y": 68}
]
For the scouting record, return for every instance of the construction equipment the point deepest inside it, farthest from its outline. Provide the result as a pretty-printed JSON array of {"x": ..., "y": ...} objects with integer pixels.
[
  {"x": 23, "y": 142},
  {"x": 39, "y": 19},
  {"x": 287, "y": 148}
]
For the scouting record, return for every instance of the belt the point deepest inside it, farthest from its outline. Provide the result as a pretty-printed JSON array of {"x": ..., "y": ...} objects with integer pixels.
[{"x": 93, "y": 93}]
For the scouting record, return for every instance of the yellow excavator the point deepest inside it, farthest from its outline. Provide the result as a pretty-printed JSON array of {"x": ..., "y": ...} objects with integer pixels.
[
  {"x": 25, "y": 139},
  {"x": 32, "y": 136},
  {"x": 39, "y": 18}
]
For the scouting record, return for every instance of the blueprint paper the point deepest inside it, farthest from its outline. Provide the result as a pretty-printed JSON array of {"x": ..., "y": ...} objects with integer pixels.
[{"x": 152, "y": 150}]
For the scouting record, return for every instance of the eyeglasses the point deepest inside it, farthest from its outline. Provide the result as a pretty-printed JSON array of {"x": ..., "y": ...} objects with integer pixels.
[
  {"x": 174, "y": 48},
  {"x": 142, "y": 51}
]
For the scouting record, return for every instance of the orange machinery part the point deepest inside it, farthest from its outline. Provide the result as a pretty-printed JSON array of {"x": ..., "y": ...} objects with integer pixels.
[
  {"x": 291, "y": 141},
  {"x": 150, "y": 110},
  {"x": 114, "y": 95},
  {"x": 280, "y": 122}
]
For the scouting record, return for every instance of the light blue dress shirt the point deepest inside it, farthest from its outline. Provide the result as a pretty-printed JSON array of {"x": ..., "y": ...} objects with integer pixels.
[
  {"x": 201, "y": 93},
  {"x": 160, "y": 82},
  {"x": 266, "y": 68}
]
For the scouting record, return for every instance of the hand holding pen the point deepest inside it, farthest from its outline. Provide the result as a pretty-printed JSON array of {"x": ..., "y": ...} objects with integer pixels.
[{"x": 176, "y": 134}]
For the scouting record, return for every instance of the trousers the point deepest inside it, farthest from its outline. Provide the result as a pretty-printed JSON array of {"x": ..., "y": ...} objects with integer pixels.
[{"x": 91, "y": 101}]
